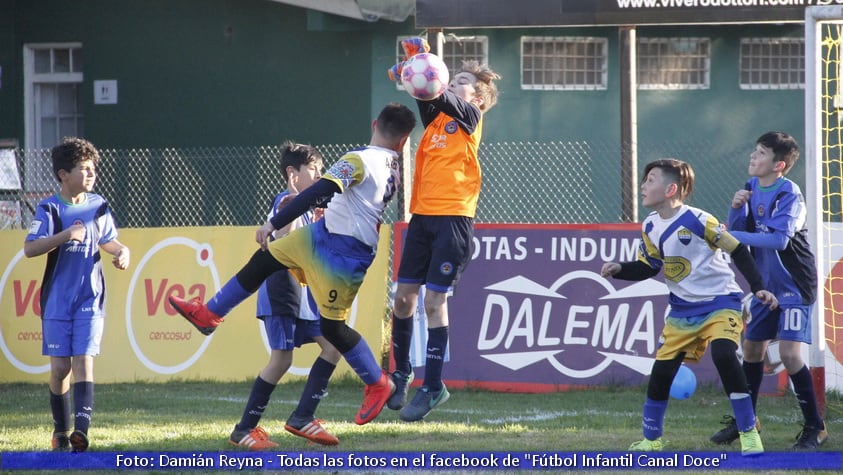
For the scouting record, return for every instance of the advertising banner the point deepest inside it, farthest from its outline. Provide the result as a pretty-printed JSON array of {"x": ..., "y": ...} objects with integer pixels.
[
  {"x": 532, "y": 313},
  {"x": 145, "y": 339}
]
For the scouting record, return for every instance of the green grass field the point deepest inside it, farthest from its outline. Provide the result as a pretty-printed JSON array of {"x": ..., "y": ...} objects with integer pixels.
[{"x": 198, "y": 417}]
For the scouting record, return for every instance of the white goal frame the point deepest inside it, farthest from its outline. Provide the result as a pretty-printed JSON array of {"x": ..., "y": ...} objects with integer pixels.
[{"x": 814, "y": 159}]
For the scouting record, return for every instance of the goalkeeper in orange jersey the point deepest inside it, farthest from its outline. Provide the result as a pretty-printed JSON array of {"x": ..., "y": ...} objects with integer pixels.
[{"x": 446, "y": 186}]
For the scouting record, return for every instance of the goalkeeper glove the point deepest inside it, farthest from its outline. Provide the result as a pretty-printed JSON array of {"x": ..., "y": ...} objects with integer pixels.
[
  {"x": 394, "y": 72},
  {"x": 411, "y": 47},
  {"x": 414, "y": 46}
]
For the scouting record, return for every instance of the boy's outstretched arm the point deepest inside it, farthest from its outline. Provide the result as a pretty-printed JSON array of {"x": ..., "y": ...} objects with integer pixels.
[{"x": 314, "y": 195}]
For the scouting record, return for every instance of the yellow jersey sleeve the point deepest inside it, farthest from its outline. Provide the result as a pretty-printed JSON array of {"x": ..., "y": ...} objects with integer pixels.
[{"x": 347, "y": 171}]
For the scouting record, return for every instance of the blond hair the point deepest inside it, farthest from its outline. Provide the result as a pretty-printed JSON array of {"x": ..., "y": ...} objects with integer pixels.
[{"x": 485, "y": 85}]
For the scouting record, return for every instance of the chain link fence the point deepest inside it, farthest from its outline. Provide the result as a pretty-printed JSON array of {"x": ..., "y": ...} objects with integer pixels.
[{"x": 523, "y": 182}]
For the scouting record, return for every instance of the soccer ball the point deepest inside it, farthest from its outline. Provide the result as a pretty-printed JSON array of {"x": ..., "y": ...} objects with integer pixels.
[
  {"x": 425, "y": 76},
  {"x": 684, "y": 384}
]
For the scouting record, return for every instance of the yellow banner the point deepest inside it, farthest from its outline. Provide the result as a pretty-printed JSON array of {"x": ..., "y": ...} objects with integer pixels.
[{"x": 145, "y": 339}]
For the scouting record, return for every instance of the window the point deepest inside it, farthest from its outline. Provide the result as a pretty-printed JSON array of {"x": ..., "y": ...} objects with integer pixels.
[
  {"x": 465, "y": 48},
  {"x": 53, "y": 75},
  {"x": 772, "y": 63},
  {"x": 563, "y": 63},
  {"x": 455, "y": 50},
  {"x": 53, "y": 101},
  {"x": 674, "y": 63}
]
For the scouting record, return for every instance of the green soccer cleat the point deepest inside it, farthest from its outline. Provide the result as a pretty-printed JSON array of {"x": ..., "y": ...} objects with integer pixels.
[
  {"x": 647, "y": 445},
  {"x": 751, "y": 443}
]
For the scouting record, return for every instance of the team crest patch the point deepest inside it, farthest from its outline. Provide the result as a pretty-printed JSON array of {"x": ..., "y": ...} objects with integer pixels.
[
  {"x": 760, "y": 210},
  {"x": 684, "y": 236},
  {"x": 451, "y": 127},
  {"x": 342, "y": 170},
  {"x": 446, "y": 268}
]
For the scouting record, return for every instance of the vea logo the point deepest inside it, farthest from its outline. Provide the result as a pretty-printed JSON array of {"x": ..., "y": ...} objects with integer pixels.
[
  {"x": 20, "y": 327},
  {"x": 161, "y": 339},
  {"x": 579, "y": 325}
]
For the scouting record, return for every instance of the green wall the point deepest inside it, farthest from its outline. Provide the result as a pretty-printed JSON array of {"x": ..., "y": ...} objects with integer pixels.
[{"x": 199, "y": 72}]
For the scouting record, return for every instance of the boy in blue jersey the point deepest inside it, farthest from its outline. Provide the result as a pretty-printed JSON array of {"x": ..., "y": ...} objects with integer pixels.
[
  {"x": 289, "y": 322},
  {"x": 332, "y": 254},
  {"x": 769, "y": 216},
  {"x": 705, "y": 301},
  {"x": 71, "y": 227}
]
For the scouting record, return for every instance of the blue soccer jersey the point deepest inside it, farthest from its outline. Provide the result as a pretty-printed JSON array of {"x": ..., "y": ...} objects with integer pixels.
[
  {"x": 773, "y": 226},
  {"x": 73, "y": 286}
]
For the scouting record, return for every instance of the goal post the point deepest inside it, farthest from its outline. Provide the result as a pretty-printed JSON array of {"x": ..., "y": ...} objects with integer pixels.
[{"x": 824, "y": 191}]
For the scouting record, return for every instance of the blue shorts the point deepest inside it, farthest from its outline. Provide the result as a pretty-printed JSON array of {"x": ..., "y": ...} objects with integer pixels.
[
  {"x": 66, "y": 338},
  {"x": 436, "y": 250},
  {"x": 285, "y": 333},
  {"x": 788, "y": 323}
]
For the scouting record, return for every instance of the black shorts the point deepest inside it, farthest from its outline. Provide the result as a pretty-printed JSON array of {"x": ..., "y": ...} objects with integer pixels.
[{"x": 436, "y": 250}]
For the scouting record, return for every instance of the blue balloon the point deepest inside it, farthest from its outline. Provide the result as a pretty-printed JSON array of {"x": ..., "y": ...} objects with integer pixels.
[{"x": 684, "y": 383}]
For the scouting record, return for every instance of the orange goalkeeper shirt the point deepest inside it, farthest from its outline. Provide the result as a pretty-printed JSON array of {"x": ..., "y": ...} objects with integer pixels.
[{"x": 447, "y": 177}]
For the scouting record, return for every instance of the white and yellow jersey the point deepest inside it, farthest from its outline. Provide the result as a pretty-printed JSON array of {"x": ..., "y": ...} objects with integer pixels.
[
  {"x": 693, "y": 249},
  {"x": 369, "y": 178}
]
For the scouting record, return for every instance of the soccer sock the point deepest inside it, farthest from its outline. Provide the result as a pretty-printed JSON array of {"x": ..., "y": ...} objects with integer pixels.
[
  {"x": 60, "y": 407},
  {"x": 315, "y": 388},
  {"x": 744, "y": 414},
  {"x": 363, "y": 362},
  {"x": 258, "y": 400},
  {"x": 754, "y": 374},
  {"x": 803, "y": 386},
  {"x": 228, "y": 297},
  {"x": 402, "y": 335},
  {"x": 652, "y": 422},
  {"x": 83, "y": 400},
  {"x": 437, "y": 343}
]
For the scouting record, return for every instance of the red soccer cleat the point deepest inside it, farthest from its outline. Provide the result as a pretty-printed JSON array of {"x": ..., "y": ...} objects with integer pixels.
[
  {"x": 197, "y": 314},
  {"x": 374, "y": 398},
  {"x": 255, "y": 439},
  {"x": 314, "y": 432}
]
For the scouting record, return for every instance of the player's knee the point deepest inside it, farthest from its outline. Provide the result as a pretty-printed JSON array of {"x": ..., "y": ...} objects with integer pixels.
[
  {"x": 60, "y": 368},
  {"x": 792, "y": 362},
  {"x": 339, "y": 334},
  {"x": 753, "y": 351},
  {"x": 723, "y": 353},
  {"x": 261, "y": 265},
  {"x": 404, "y": 304}
]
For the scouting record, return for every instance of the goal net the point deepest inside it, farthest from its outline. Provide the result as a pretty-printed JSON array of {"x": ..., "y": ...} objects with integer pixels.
[{"x": 824, "y": 187}]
